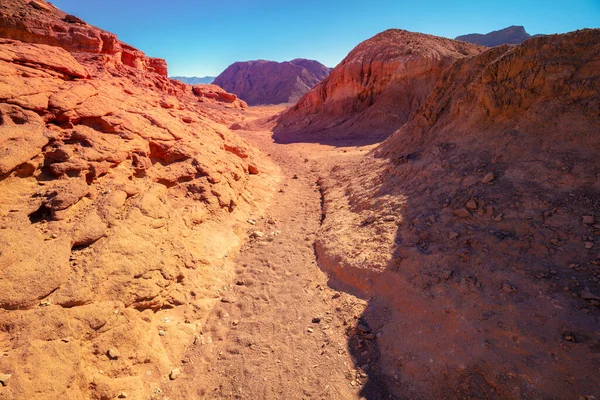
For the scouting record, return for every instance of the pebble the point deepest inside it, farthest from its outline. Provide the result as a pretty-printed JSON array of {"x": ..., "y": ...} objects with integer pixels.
[
  {"x": 588, "y": 219},
  {"x": 316, "y": 320},
  {"x": 230, "y": 300},
  {"x": 489, "y": 177},
  {"x": 113, "y": 353},
  {"x": 161, "y": 333},
  {"x": 257, "y": 234},
  {"x": 508, "y": 288},
  {"x": 174, "y": 374},
  {"x": 586, "y": 295},
  {"x": 4, "y": 378},
  {"x": 588, "y": 245},
  {"x": 447, "y": 274},
  {"x": 568, "y": 336},
  {"x": 122, "y": 395},
  {"x": 309, "y": 330},
  {"x": 363, "y": 328},
  {"x": 462, "y": 213},
  {"x": 251, "y": 221},
  {"x": 452, "y": 235},
  {"x": 472, "y": 204}
]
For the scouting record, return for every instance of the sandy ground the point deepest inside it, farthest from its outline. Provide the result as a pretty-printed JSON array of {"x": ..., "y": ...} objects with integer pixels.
[{"x": 280, "y": 331}]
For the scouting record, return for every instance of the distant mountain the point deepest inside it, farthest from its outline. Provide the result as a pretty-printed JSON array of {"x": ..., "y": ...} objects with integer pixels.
[
  {"x": 511, "y": 35},
  {"x": 195, "y": 80},
  {"x": 270, "y": 82}
]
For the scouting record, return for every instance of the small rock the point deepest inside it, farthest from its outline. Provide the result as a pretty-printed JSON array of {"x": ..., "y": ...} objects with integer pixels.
[
  {"x": 251, "y": 221},
  {"x": 4, "y": 378},
  {"x": 447, "y": 274},
  {"x": 489, "y": 177},
  {"x": 589, "y": 296},
  {"x": 39, "y": 5},
  {"x": 498, "y": 218},
  {"x": 569, "y": 337},
  {"x": 588, "y": 245},
  {"x": 309, "y": 330},
  {"x": 122, "y": 395},
  {"x": 316, "y": 320},
  {"x": 252, "y": 169},
  {"x": 588, "y": 219},
  {"x": 175, "y": 373},
  {"x": 472, "y": 204},
  {"x": 229, "y": 300},
  {"x": 257, "y": 234},
  {"x": 508, "y": 288},
  {"x": 161, "y": 333},
  {"x": 336, "y": 296},
  {"x": 462, "y": 213},
  {"x": 452, "y": 235},
  {"x": 295, "y": 176},
  {"x": 112, "y": 353},
  {"x": 363, "y": 328},
  {"x": 370, "y": 336}
]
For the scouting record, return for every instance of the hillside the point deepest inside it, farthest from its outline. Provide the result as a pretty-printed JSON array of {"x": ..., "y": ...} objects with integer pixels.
[
  {"x": 372, "y": 92},
  {"x": 270, "y": 82},
  {"x": 474, "y": 230}
]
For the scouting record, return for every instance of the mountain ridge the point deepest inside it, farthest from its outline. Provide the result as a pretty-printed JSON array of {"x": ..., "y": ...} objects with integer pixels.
[{"x": 271, "y": 82}]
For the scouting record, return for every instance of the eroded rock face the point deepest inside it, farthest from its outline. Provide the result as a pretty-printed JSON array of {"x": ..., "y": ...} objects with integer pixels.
[
  {"x": 270, "y": 82},
  {"x": 41, "y": 22},
  {"x": 120, "y": 195},
  {"x": 372, "y": 92},
  {"x": 475, "y": 228},
  {"x": 511, "y": 35}
]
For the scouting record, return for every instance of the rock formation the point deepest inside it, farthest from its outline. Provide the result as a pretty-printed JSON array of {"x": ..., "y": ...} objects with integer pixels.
[
  {"x": 270, "y": 82},
  {"x": 476, "y": 229},
  {"x": 41, "y": 22},
  {"x": 120, "y": 195},
  {"x": 372, "y": 92},
  {"x": 511, "y": 35}
]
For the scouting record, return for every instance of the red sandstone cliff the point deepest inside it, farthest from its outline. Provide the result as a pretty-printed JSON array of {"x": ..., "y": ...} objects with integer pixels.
[
  {"x": 41, "y": 22},
  {"x": 372, "y": 92}
]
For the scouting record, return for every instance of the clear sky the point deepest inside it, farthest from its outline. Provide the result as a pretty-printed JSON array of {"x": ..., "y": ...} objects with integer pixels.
[{"x": 202, "y": 37}]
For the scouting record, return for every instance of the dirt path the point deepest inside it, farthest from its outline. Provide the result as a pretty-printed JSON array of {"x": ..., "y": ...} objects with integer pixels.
[{"x": 280, "y": 332}]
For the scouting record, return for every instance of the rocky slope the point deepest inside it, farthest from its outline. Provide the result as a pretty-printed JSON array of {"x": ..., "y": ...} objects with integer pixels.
[
  {"x": 270, "y": 82},
  {"x": 121, "y": 194},
  {"x": 41, "y": 22},
  {"x": 476, "y": 230},
  {"x": 194, "y": 80},
  {"x": 374, "y": 89},
  {"x": 511, "y": 35}
]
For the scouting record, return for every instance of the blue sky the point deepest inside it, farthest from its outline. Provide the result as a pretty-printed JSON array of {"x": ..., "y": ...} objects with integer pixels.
[{"x": 199, "y": 37}]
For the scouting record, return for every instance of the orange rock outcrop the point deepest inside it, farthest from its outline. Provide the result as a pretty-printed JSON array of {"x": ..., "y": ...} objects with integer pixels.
[
  {"x": 373, "y": 91},
  {"x": 38, "y": 21},
  {"x": 121, "y": 192}
]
